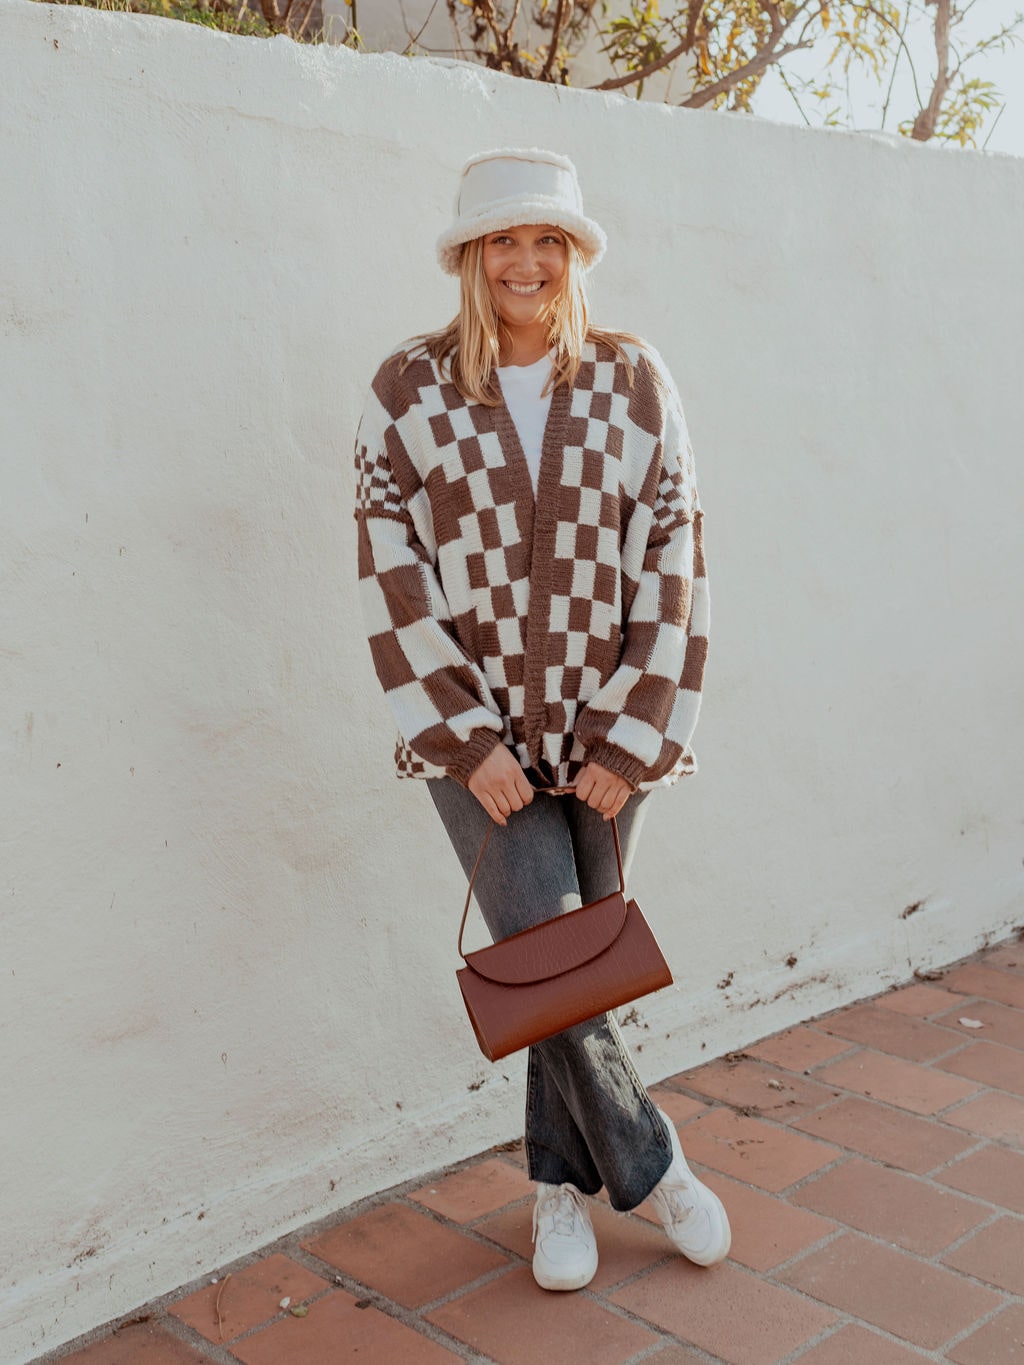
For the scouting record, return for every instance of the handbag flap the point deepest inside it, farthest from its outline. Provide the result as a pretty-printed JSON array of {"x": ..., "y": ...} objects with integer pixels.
[{"x": 556, "y": 946}]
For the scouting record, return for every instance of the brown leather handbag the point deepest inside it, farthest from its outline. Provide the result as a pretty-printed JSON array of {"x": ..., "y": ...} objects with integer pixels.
[{"x": 533, "y": 985}]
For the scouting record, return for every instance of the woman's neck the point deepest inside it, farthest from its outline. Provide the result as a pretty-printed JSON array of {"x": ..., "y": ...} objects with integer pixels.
[{"x": 523, "y": 346}]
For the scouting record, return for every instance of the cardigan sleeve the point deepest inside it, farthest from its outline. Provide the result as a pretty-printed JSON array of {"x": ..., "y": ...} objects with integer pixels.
[
  {"x": 639, "y": 724},
  {"x": 439, "y": 698}
]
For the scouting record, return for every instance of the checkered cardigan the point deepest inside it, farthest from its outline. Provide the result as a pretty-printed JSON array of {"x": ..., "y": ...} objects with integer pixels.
[{"x": 570, "y": 628}]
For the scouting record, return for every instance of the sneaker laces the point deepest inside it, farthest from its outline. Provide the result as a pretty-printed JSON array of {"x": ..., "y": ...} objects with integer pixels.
[
  {"x": 668, "y": 1196},
  {"x": 563, "y": 1204}
]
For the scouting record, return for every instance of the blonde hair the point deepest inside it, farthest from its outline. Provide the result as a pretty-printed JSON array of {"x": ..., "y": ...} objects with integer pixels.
[{"x": 469, "y": 347}]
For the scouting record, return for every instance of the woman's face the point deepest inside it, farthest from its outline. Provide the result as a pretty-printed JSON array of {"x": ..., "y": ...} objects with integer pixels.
[{"x": 525, "y": 269}]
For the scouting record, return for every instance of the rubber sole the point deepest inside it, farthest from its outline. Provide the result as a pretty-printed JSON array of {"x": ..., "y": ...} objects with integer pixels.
[{"x": 578, "y": 1281}]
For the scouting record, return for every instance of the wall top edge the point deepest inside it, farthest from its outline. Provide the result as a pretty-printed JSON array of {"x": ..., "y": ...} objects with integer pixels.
[{"x": 311, "y": 85}]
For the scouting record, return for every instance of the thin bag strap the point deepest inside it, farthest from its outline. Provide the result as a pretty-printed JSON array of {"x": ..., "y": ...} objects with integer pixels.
[{"x": 547, "y": 791}]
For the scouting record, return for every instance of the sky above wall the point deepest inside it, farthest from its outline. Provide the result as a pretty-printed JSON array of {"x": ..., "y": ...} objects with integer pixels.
[{"x": 864, "y": 106}]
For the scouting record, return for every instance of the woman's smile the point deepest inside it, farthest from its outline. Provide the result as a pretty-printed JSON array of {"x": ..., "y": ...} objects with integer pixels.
[{"x": 519, "y": 287}]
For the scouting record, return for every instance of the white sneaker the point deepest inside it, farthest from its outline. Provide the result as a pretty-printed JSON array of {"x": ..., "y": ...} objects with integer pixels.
[
  {"x": 693, "y": 1215},
  {"x": 565, "y": 1255}
]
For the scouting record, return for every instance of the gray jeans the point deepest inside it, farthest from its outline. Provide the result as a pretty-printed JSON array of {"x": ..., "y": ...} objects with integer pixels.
[{"x": 589, "y": 1119}]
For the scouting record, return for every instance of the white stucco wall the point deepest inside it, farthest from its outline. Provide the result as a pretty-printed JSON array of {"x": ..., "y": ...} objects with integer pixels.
[{"x": 227, "y": 955}]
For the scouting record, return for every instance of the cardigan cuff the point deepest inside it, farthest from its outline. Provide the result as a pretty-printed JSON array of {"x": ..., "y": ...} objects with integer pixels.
[
  {"x": 480, "y": 745},
  {"x": 618, "y": 761}
]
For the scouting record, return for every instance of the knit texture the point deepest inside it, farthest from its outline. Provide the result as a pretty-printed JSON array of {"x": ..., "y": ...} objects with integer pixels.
[{"x": 573, "y": 628}]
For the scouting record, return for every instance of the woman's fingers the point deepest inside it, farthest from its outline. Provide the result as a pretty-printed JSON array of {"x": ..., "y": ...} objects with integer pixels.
[
  {"x": 496, "y": 806},
  {"x": 602, "y": 790},
  {"x": 516, "y": 790},
  {"x": 500, "y": 785}
]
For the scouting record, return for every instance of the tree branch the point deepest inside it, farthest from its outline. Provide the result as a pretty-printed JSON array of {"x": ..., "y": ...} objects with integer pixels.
[
  {"x": 757, "y": 63},
  {"x": 928, "y": 117},
  {"x": 512, "y": 22},
  {"x": 899, "y": 32},
  {"x": 556, "y": 29},
  {"x": 694, "y": 14},
  {"x": 419, "y": 33},
  {"x": 768, "y": 57},
  {"x": 793, "y": 97},
  {"x": 617, "y": 82},
  {"x": 993, "y": 128},
  {"x": 895, "y": 66}
]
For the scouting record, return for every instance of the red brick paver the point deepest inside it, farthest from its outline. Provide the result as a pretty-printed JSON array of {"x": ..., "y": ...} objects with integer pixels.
[
  {"x": 994, "y": 1173},
  {"x": 799, "y": 1049},
  {"x": 404, "y": 1255},
  {"x": 236, "y": 1303},
  {"x": 475, "y": 1191},
  {"x": 999, "y": 1342},
  {"x": 995, "y": 1255},
  {"x": 919, "y": 1303},
  {"x": 759, "y": 1153},
  {"x": 136, "y": 1344},
  {"x": 999, "y": 1023},
  {"x": 858, "y": 1346},
  {"x": 988, "y": 983},
  {"x": 766, "y": 1230},
  {"x": 993, "y": 1115},
  {"x": 893, "y": 1081},
  {"x": 1001, "y": 1067},
  {"x": 887, "y": 1135},
  {"x": 679, "y": 1108},
  {"x": 736, "y": 1316},
  {"x": 871, "y": 1162},
  {"x": 339, "y": 1328},
  {"x": 897, "y": 1208},
  {"x": 514, "y": 1323},
  {"x": 904, "y": 1036},
  {"x": 1008, "y": 955},
  {"x": 919, "y": 1001},
  {"x": 759, "y": 1089}
]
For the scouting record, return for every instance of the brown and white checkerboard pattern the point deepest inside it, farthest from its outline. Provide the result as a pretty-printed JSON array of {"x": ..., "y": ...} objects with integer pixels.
[{"x": 569, "y": 630}]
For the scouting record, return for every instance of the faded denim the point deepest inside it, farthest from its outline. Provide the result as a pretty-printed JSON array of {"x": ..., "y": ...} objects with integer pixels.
[{"x": 589, "y": 1120}]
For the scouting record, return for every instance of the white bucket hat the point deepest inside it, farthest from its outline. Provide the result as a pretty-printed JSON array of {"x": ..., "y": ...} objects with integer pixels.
[{"x": 505, "y": 188}]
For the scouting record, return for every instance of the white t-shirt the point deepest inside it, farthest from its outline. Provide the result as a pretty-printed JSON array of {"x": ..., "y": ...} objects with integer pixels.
[{"x": 522, "y": 385}]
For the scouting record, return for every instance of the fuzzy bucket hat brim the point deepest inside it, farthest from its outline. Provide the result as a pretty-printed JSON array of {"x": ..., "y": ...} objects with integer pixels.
[{"x": 519, "y": 185}]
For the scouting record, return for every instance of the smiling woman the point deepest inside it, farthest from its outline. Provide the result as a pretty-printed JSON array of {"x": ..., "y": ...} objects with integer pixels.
[
  {"x": 532, "y": 576},
  {"x": 525, "y": 269}
]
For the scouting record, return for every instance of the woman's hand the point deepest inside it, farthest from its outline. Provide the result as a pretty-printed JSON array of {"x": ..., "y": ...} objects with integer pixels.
[
  {"x": 602, "y": 789},
  {"x": 500, "y": 785}
]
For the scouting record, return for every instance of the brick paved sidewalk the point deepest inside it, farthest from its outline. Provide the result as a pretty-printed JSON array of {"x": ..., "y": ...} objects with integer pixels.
[{"x": 872, "y": 1165}]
